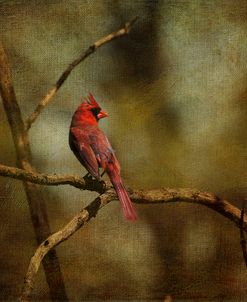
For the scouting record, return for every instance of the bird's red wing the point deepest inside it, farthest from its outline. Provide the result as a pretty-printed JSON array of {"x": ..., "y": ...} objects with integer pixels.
[{"x": 84, "y": 152}]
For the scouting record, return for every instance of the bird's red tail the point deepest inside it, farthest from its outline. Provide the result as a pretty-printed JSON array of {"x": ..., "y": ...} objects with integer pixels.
[{"x": 128, "y": 209}]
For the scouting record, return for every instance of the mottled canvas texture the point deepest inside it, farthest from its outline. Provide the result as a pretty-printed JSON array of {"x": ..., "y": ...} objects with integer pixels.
[{"x": 175, "y": 92}]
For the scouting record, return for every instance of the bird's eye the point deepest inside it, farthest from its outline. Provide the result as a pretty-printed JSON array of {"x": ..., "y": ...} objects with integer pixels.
[{"x": 95, "y": 111}]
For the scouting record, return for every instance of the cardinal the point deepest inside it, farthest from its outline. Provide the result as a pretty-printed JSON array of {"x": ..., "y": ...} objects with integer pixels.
[{"x": 94, "y": 151}]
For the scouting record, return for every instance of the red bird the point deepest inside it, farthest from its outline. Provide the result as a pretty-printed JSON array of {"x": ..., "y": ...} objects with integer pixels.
[{"x": 92, "y": 148}]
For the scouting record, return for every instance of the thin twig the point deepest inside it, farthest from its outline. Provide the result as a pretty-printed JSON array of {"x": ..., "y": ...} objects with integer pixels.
[
  {"x": 242, "y": 235},
  {"x": 91, "y": 49}
]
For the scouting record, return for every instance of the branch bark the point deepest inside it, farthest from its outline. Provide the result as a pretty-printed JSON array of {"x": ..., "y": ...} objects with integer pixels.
[
  {"x": 162, "y": 195},
  {"x": 36, "y": 203},
  {"x": 83, "y": 183},
  {"x": 91, "y": 49},
  {"x": 75, "y": 224},
  {"x": 138, "y": 196},
  {"x": 166, "y": 195},
  {"x": 24, "y": 158}
]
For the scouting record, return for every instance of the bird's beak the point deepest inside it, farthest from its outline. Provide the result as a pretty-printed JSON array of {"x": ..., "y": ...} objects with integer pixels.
[{"x": 102, "y": 114}]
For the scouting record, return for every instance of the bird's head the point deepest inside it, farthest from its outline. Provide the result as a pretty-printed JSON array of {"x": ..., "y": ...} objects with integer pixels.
[{"x": 90, "y": 109}]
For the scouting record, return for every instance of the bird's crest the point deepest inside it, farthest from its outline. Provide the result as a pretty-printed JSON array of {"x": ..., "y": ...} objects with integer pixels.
[{"x": 90, "y": 100}]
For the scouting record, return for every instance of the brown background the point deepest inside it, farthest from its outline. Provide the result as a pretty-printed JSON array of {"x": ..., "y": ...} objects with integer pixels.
[{"x": 175, "y": 91}]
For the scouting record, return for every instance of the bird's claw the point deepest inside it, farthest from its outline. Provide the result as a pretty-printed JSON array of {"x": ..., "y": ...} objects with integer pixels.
[{"x": 88, "y": 176}]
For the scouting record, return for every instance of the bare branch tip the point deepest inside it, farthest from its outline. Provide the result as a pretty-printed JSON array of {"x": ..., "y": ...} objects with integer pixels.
[{"x": 129, "y": 24}]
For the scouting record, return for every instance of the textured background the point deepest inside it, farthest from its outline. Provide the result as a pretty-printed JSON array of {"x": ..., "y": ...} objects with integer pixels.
[{"x": 175, "y": 91}]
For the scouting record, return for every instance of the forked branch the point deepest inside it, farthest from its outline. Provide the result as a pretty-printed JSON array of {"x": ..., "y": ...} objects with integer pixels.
[
  {"x": 162, "y": 195},
  {"x": 139, "y": 196},
  {"x": 52, "y": 241}
]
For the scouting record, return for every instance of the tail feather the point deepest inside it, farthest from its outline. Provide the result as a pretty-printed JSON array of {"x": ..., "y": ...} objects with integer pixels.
[{"x": 128, "y": 209}]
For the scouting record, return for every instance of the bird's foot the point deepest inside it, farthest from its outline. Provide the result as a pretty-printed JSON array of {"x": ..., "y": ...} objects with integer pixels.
[{"x": 88, "y": 176}]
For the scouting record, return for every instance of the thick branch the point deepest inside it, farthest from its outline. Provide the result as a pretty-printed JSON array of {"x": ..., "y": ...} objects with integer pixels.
[
  {"x": 139, "y": 196},
  {"x": 75, "y": 224},
  {"x": 84, "y": 183},
  {"x": 120, "y": 33},
  {"x": 166, "y": 195},
  {"x": 36, "y": 203},
  {"x": 162, "y": 195}
]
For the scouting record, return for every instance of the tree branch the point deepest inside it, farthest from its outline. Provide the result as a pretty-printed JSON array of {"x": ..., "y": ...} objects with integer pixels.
[
  {"x": 36, "y": 203},
  {"x": 52, "y": 241},
  {"x": 167, "y": 195},
  {"x": 29, "y": 175},
  {"x": 139, "y": 196},
  {"x": 162, "y": 195},
  {"x": 44, "y": 102},
  {"x": 83, "y": 183}
]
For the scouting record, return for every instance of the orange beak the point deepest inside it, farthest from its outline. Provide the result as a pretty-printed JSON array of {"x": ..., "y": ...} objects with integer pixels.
[{"x": 102, "y": 114}]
